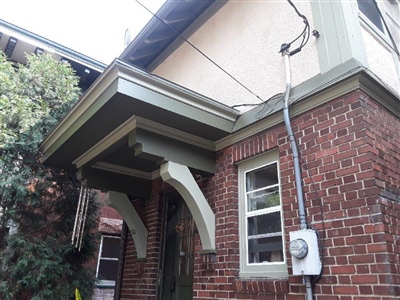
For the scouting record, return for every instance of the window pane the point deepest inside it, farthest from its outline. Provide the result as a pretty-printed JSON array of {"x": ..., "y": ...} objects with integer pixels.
[
  {"x": 264, "y": 224},
  {"x": 261, "y": 199},
  {"x": 265, "y": 250},
  {"x": 111, "y": 247},
  {"x": 262, "y": 177},
  {"x": 108, "y": 269},
  {"x": 370, "y": 10}
]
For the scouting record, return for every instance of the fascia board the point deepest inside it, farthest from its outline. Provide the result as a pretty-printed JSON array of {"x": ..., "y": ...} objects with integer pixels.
[
  {"x": 96, "y": 96},
  {"x": 176, "y": 92},
  {"x": 119, "y": 77}
]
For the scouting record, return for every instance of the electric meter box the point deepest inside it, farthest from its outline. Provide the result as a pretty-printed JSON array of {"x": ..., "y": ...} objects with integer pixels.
[{"x": 305, "y": 254}]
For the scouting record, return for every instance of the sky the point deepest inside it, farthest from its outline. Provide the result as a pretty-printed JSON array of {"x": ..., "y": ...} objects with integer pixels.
[{"x": 95, "y": 28}]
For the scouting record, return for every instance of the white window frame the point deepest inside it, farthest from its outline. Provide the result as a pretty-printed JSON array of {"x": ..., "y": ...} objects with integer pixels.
[
  {"x": 105, "y": 283},
  {"x": 381, "y": 36},
  {"x": 262, "y": 269}
]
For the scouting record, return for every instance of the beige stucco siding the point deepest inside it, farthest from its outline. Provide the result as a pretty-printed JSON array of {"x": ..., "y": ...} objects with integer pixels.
[
  {"x": 244, "y": 38},
  {"x": 381, "y": 59}
]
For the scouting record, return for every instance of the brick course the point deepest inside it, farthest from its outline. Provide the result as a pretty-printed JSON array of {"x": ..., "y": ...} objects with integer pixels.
[{"x": 351, "y": 174}]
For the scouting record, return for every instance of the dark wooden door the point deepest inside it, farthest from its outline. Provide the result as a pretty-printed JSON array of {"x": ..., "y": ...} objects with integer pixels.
[{"x": 177, "y": 279}]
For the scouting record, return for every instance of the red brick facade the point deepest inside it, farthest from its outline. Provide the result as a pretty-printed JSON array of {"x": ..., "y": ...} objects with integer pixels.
[{"x": 351, "y": 175}]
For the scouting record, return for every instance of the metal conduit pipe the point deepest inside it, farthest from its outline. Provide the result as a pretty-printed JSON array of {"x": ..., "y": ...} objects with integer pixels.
[{"x": 296, "y": 161}]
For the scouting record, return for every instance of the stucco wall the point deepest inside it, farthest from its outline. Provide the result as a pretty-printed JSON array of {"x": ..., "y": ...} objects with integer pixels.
[
  {"x": 381, "y": 60},
  {"x": 244, "y": 38}
]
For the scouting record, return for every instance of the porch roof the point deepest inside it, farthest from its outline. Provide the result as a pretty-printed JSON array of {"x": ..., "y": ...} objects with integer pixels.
[{"x": 129, "y": 122}]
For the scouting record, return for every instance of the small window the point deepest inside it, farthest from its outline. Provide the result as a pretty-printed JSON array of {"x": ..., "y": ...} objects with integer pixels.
[
  {"x": 107, "y": 266},
  {"x": 370, "y": 9},
  {"x": 261, "y": 235}
]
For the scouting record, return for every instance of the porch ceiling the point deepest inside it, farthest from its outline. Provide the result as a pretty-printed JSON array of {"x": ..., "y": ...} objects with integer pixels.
[{"x": 129, "y": 122}]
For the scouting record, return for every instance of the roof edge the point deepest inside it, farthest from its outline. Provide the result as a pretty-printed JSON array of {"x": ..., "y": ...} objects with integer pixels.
[
  {"x": 120, "y": 70},
  {"x": 316, "y": 91},
  {"x": 61, "y": 49}
]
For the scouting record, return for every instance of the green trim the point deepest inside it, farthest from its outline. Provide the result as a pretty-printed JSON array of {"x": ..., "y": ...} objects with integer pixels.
[
  {"x": 179, "y": 103},
  {"x": 110, "y": 181},
  {"x": 121, "y": 203},
  {"x": 315, "y": 92},
  {"x": 179, "y": 177},
  {"x": 340, "y": 33},
  {"x": 79, "y": 116},
  {"x": 159, "y": 148},
  {"x": 261, "y": 269}
]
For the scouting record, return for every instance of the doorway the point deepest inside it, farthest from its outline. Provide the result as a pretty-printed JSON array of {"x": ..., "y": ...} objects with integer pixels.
[{"x": 178, "y": 257}]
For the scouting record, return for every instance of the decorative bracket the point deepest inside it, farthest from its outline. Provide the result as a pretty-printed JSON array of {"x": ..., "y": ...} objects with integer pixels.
[
  {"x": 182, "y": 180},
  {"x": 121, "y": 203}
]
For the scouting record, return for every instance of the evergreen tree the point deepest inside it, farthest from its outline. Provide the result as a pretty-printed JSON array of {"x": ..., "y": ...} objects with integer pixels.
[{"x": 37, "y": 260}]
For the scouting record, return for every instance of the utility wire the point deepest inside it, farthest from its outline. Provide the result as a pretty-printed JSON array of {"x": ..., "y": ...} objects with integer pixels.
[
  {"x": 305, "y": 34},
  {"x": 201, "y": 52}
]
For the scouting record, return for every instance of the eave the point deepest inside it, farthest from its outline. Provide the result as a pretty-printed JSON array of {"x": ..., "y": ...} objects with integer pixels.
[
  {"x": 16, "y": 42},
  {"x": 130, "y": 121},
  {"x": 126, "y": 118},
  {"x": 172, "y": 20}
]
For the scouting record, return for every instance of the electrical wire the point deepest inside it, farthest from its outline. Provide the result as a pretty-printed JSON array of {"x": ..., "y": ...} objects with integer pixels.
[
  {"x": 265, "y": 104},
  {"x": 305, "y": 34},
  {"x": 262, "y": 112},
  {"x": 201, "y": 52},
  {"x": 244, "y": 104}
]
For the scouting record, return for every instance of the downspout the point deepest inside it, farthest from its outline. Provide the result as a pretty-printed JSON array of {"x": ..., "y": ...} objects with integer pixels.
[{"x": 296, "y": 161}]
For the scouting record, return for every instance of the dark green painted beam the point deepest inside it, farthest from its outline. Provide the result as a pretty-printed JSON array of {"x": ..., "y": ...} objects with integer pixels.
[
  {"x": 109, "y": 181},
  {"x": 155, "y": 147}
]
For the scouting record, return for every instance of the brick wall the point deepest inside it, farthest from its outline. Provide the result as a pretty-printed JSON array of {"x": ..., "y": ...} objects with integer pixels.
[
  {"x": 139, "y": 278},
  {"x": 350, "y": 149}
]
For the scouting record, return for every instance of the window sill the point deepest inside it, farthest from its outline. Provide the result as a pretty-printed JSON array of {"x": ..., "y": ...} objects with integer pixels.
[
  {"x": 105, "y": 284},
  {"x": 258, "y": 285}
]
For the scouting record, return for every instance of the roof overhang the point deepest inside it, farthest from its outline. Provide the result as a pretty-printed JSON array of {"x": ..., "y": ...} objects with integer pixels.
[
  {"x": 129, "y": 122},
  {"x": 16, "y": 42},
  {"x": 172, "y": 20}
]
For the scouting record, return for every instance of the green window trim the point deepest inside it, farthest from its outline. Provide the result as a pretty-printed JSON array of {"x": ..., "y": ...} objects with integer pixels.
[{"x": 262, "y": 246}]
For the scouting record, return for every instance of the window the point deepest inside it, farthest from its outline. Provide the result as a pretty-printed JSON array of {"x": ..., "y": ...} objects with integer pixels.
[
  {"x": 261, "y": 232},
  {"x": 370, "y": 10},
  {"x": 381, "y": 19},
  {"x": 107, "y": 265}
]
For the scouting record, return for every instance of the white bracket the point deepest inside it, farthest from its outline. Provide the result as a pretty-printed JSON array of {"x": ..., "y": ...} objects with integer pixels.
[{"x": 120, "y": 202}]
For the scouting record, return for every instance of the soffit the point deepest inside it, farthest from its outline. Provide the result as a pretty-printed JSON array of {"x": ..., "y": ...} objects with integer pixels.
[{"x": 156, "y": 36}]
